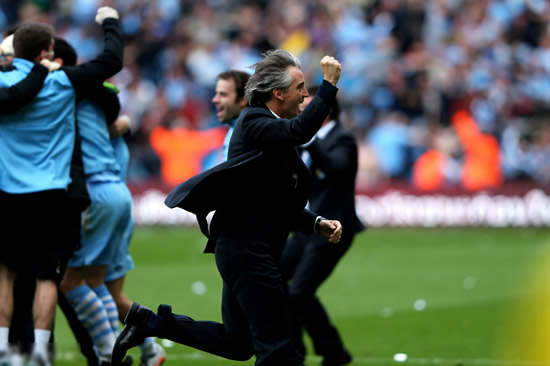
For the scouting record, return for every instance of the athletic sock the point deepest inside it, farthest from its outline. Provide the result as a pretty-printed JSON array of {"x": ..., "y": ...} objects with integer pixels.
[
  {"x": 91, "y": 312},
  {"x": 148, "y": 347},
  {"x": 4, "y": 336},
  {"x": 109, "y": 304},
  {"x": 41, "y": 341}
]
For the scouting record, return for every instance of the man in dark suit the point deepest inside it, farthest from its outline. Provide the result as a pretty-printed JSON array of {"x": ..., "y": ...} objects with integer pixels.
[
  {"x": 308, "y": 261},
  {"x": 259, "y": 195}
]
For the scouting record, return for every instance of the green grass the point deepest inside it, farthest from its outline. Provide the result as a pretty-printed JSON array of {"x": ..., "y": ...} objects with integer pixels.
[{"x": 470, "y": 279}]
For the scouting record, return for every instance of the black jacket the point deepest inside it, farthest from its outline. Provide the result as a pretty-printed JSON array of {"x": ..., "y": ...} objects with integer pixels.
[
  {"x": 261, "y": 191},
  {"x": 334, "y": 168}
]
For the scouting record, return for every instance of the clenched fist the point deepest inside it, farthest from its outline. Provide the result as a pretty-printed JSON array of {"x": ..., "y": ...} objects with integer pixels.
[
  {"x": 331, "y": 229},
  {"x": 105, "y": 12},
  {"x": 331, "y": 69}
]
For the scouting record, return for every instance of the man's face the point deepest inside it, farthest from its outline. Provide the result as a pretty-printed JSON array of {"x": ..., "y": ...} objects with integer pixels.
[
  {"x": 295, "y": 94},
  {"x": 226, "y": 102}
]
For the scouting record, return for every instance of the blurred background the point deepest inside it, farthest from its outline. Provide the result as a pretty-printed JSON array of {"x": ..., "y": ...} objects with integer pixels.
[
  {"x": 445, "y": 97},
  {"x": 450, "y": 103}
]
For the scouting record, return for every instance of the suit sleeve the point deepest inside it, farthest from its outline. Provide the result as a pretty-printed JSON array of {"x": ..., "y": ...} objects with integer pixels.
[
  {"x": 19, "y": 95},
  {"x": 337, "y": 159},
  {"x": 267, "y": 131},
  {"x": 306, "y": 222},
  {"x": 105, "y": 65}
]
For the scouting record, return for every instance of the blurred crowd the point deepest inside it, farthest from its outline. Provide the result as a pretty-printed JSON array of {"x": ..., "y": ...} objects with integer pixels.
[{"x": 440, "y": 93}]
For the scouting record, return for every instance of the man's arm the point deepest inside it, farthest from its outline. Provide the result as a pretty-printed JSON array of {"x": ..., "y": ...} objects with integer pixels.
[
  {"x": 105, "y": 65},
  {"x": 309, "y": 222},
  {"x": 19, "y": 95},
  {"x": 265, "y": 130}
]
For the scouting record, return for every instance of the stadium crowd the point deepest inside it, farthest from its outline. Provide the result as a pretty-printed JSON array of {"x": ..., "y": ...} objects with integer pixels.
[{"x": 439, "y": 93}]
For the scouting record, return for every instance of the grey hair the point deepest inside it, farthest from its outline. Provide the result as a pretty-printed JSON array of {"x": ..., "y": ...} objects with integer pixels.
[{"x": 270, "y": 73}]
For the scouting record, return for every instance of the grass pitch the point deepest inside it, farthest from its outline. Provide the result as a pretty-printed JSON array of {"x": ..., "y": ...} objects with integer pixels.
[{"x": 439, "y": 296}]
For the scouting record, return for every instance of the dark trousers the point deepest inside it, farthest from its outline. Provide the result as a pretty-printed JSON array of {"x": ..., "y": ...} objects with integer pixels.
[
  {"x": 254, "y": 309},
  {"x": 22, "y": 325},
  {"x": 306, "y": 262}
]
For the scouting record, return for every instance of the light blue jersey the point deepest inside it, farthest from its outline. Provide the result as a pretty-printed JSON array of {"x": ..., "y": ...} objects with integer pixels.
[
  {"x": 37, "y": 141},
  {"x": 98, "y": 154},
  {"x": 107, "y": 224},
  {"x": 122, "y": 260},
  {"x": 122, "y": 156}
]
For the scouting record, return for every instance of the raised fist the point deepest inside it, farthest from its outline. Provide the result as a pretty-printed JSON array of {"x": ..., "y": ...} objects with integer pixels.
[
  {"x": 105, "y": 12},
  {"x": 331, "y": 69}
]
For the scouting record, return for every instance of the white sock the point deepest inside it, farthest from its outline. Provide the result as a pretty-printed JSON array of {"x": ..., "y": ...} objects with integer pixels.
[
  {"x": 41, "y": 340},
  {"x": 4, "y": 334},
  {"x": 148, "y": 347}
]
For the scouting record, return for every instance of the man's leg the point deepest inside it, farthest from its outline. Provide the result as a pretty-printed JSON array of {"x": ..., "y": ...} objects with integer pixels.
[
  {"x": 152, "y": 354},
  {"x": 7, "y": 279},
  {"x": 251, "y": 271},
  {"x": 89, "y": 309},
  {"x": 318, "y": 260},
  {"x": 45, "y": 301},
  {"x": 79, "y": 331}
]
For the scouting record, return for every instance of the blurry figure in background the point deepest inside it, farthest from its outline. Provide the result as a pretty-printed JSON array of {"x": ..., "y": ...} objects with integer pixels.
[
  {"x": 390, "y": 140},
  {"x": 439, "y": 166},
  {"x": 482, "y": 168},
  {"x": 517, "y": 143},
  {"x": 230, "y": 101},
  {"x": 307, "y": 261},
  {"x": 181, "y": 150}
]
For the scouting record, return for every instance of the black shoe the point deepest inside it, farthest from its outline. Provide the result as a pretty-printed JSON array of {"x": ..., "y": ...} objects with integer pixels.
[
  {"x": 342, "y": 359},
  {"x": 132, "y": 334}
]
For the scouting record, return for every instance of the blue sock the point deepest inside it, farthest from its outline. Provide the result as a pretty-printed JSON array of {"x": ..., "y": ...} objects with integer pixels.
[
  {"x": 109, "y": 304},
  {"x": 92, "y": 314}
]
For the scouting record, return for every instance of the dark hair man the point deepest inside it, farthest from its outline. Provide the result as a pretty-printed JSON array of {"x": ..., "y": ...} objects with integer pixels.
[{"x": 230, "y": 101}]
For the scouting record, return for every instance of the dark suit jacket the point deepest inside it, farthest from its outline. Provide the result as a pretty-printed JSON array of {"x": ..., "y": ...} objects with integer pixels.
[
  {"x": 261, "y": 191},
  {"x": 334, "y": 168}
]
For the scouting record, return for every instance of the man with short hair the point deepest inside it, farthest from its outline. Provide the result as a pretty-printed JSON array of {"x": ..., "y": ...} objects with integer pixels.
[
  {"x": 259, "y": 195},
  {"x": 35, "y": 160},
  {"x": 230, "y": 101}
]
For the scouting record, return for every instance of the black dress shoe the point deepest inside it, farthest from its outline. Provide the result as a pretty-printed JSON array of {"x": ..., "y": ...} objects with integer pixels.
[
  {"x": 132, "y": 334},
  {"x": 342, "y": 359}
]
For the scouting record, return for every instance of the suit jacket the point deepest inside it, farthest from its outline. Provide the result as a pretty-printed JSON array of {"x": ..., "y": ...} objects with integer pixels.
[
  {"x": 334, "y": 169},
  {"x": 261, "y": 191}
]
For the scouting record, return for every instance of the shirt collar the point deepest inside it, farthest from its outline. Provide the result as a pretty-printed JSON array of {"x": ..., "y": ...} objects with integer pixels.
[
  {"x": 275, "y": 114},
  {"x": 324, "y": 130}
]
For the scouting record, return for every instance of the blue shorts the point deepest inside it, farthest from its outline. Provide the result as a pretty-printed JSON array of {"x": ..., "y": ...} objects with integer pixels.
[
  {"x": 104, "y": 224},
  {"x": 122, "y": 261}
]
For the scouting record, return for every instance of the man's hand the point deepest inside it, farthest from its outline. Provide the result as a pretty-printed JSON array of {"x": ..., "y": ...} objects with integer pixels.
[
  {"x": 331, "y": 69},
  {"x": 105, "y": 12},
  {"x": 51, "y": 65},
  {"x": 120, "y": 126},
  {"x": 332, "y": 229}
]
